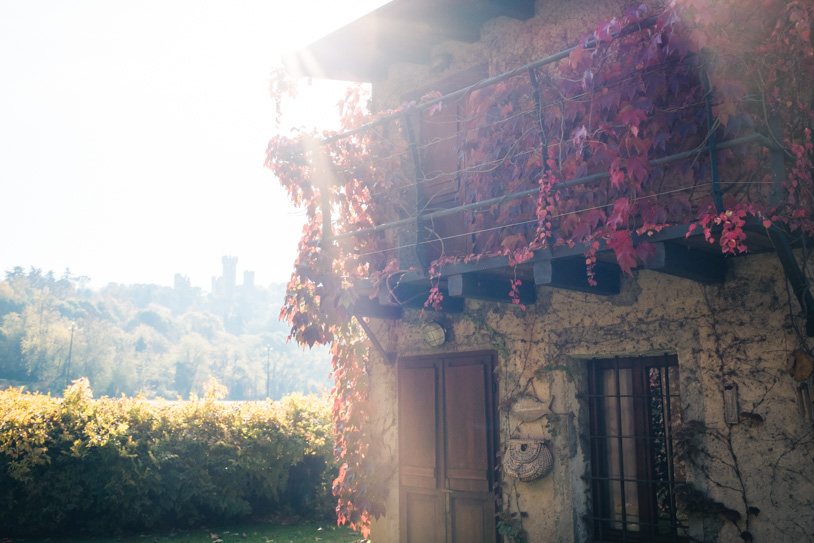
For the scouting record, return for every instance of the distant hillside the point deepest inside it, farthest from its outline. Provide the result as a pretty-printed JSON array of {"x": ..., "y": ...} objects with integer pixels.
[{"x": 149, "y": 339}]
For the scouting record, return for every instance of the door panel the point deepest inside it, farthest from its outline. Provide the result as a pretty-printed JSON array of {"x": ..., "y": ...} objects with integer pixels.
[
  {"x": 472, "y": 519},
  {"x": 422, "y": 518},
  {"x": 447, "y": 431},
  {"x": 467, "y": 436},
  {"x": 417, "y": 419}
]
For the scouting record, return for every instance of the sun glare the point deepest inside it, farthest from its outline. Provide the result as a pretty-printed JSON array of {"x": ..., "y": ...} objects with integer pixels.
[{"x": 145, "y": 126}]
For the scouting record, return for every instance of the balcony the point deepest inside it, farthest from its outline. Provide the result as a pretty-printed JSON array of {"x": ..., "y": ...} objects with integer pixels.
[{"x": 527, "y": 179}]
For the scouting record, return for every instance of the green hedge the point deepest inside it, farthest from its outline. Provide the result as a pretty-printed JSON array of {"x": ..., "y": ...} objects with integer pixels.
[{"x": 75, "y": 464}]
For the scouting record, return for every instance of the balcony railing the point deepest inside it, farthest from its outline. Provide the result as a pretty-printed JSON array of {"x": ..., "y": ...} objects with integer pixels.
[{"x": 453, "y": 186}]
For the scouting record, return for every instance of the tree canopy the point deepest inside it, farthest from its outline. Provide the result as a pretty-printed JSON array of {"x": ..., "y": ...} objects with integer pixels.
[{"x": 148, "y": 339}]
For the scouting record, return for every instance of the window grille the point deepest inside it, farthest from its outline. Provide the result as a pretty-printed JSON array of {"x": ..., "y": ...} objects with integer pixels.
[{"x": 635, "y": 411}]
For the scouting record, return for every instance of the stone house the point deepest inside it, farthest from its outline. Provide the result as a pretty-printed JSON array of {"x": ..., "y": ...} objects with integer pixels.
[{"x": 670, "y": 403}]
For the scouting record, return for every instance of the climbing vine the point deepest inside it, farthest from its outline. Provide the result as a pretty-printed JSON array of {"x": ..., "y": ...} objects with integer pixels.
[{"x": 618, "y": 140}]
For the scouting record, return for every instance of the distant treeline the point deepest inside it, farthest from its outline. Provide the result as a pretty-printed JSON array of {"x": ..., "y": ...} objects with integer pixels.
[{"x": 149, "y": 339}]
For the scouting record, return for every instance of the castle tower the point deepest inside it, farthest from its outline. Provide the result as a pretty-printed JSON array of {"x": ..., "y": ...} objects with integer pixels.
[
  {"x": 181, "y": 282},
  {"x": 229, "y": 275},
  {"x": 248, "y": 279}
]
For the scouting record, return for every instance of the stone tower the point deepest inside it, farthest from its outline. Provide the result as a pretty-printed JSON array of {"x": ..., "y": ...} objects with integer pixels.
[{"x": 229, "y": 275}]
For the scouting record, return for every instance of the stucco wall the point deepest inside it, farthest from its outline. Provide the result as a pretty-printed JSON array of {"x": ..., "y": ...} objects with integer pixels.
[{"x": 737, "y": 333}]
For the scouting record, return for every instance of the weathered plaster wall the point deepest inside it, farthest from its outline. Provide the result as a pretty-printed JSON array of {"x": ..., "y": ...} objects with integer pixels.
[{"x": 739, "y": 332}]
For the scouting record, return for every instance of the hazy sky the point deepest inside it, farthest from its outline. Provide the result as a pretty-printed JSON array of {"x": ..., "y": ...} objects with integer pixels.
[{"x": 132, "y": 135}]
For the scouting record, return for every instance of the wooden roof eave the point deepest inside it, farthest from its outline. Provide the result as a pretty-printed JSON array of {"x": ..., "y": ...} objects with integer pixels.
[{"x": 400, "y": 31}]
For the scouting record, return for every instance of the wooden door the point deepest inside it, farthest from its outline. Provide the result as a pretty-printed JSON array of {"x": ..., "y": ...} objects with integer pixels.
[{"x": 447, "y": 432}]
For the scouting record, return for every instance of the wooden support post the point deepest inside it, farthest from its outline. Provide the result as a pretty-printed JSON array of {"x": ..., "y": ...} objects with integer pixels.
[
  {"x": 796, "y": 277},
  {"x": 420, "y": 201},
  {"x": 780, "y": 238},
  {"x": 538, "y": 110},
  {"x": 387, "y": 357},
  {"x": 323, "y": 181},
  {"x": 776, "y": 160},
  {"x": 717, "y": 194}
]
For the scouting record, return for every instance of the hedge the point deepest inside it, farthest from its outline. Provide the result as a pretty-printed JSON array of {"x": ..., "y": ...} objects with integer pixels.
[{"x": 75, "y": 464}]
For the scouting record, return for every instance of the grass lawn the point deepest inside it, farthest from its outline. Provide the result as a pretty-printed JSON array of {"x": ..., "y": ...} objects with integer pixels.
[{"x": 248, "y": 533}]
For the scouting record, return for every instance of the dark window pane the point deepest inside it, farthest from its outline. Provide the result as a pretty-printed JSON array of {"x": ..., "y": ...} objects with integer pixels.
[{"x": 635, "y": 409}]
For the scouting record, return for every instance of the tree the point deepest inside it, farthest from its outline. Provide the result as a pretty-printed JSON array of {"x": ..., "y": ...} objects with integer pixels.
[{"x": 192, "y": 361}]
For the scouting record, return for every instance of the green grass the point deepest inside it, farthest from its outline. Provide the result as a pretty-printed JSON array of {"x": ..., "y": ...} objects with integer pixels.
[{"x": 244, "y": 533}]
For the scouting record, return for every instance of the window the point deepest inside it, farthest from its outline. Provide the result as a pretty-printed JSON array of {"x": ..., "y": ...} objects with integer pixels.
[{"x": 635, "y": 411}]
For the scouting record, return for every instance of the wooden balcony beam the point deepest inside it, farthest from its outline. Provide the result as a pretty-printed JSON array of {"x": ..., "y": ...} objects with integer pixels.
[
  {"x": 570, "y": 274},
  {"x": 365, "y": 307},
  {"x": 415, "y": 295},
  {"x": 672, "y": 259},
  {"x": 490, "y": 288}
]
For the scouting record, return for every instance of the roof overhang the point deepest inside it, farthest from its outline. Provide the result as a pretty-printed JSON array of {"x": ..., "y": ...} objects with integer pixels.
[{"x": 400, "y": 31}]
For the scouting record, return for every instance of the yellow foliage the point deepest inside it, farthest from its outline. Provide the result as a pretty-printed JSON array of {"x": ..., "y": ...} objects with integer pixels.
[{"x": 130, "y": 463}]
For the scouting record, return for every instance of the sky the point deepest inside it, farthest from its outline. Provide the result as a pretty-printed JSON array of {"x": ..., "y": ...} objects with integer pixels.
[{"x": 133, "y": 134}]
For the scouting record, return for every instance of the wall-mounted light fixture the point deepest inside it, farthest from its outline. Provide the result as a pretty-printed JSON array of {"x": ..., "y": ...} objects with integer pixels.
[{"x": 434, "y": 334}]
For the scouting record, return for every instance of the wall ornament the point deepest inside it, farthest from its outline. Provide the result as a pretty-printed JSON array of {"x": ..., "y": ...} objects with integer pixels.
[
  {"x": 528, "y": 408},
  {"x": 527, "y": 460}
]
